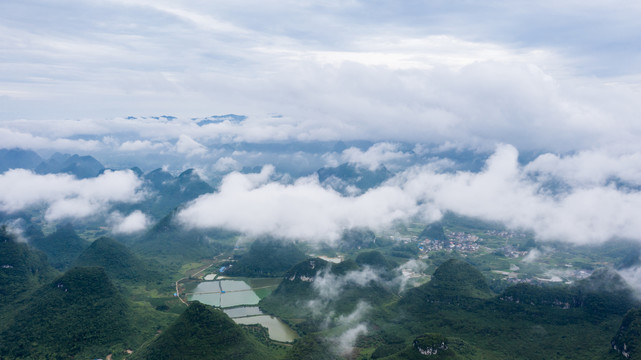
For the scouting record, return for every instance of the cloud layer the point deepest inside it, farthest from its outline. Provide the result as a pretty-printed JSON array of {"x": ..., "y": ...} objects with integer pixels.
[
  {"x": 475, "y": 106},
  {"x": 415, "y": 72},
  {"x": 504, "y": 191},
  {"x": 583, "y": 210},
  {"x": 135, "y": 222},
  {"x": 253, "y": 204},
  {"x": 470, "y": 77},
  {"x": 64, "y": 196}
]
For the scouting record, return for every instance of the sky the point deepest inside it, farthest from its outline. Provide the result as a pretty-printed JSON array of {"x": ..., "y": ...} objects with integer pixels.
[
  {"x": 558, "y": 79},
  {"x": 560, "y": 76}
]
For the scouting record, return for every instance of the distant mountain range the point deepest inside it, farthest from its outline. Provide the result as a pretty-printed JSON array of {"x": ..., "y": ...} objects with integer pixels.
[
  {"x": 349, "y": 178},
  {"x": 80, "y": 166},
  {"x": 18, "y": 159}
]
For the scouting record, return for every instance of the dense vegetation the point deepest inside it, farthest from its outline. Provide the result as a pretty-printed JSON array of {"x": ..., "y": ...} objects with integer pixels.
[
  {"x": 170, "y": 242},
  {"x": 296, "y": 296},
  {"x": 458, "y": 305},
  {"x": 433, "y": 232},
  {"x": 525, "y": 321},
  {"x": 267, "y": 257},
  {"x": 627, "y": 340},
  {"x": 529, "y": 320},
  {"x": 62, "y": 246},
  {"x": 21, "y": 268},
  {"x": 202, "y": 332},
  {"x": 432, "y": 346},
  {"x": 374, "y": 259},
  {"x": 453, "y": 282},
  {"x": 79, "y": 313},
  {"x": 170, "y": 192},
  {"x": 119, "y": 262}
]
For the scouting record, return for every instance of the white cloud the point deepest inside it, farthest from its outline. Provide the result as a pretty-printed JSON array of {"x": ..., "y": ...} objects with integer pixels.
[
  {"x": 302, "y": 210},
  {"x": 345, "y": 342},
  {"x": 588, "y": 168},
  {"x": 140, "y": 145},
  {"x": 532, "y": 256},
  {"x": 412, "y": 266},
  {"x": 409, "y": 75},
  {"x": 503, "y": 191},
  {"x": 329, "y": 286},
  {"x": 225, "y": 164},
  {"x": 16, "y": 228},
  {"x": 477, "y": 105},
  {"x": 377, "y": 155},
  {"x": 64, "y": 196},
  {"x": 426, "y": 74},
  {"x": 190, "y": 147},
  {"x": 632, "y": 276},
  {"x": 16, "y": 139},
  {"x": 132, "y": 223},
  {"x": 362, "y": 308}
]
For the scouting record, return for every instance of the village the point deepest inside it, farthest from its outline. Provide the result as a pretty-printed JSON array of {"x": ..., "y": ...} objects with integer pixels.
[{"x": 459, "y": 241}]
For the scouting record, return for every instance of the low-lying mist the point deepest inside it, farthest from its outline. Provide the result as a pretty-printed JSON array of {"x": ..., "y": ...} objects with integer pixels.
[{"x": 578, "y": 209}]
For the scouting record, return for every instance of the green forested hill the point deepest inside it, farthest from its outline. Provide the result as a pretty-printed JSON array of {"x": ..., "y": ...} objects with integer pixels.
[
  {"x": 171, "y": 192},
  {"x": 427, "y": 346},
  {"x": 627, "y": 340},
  {"x": 118, "y": 261},
  {"x": 600, "y": 295},
  {"x": 291, "y": 298},
  {"x": 524, "y": 322},
  {"x": 21, "y": 268},
  {"x": 80, "y": 313},
  {"x": 295, "y": 289},
  {"x": 433, "y": 232},
  {"x": 311, "y": 347},
  {"x": 267, "y": 257},
  {"x": 374, "y": 258},
  {"x": 62, "y": 247},
  {"x": 453, "y": 282},
  {"x": 202, "y": 333},
  {"x": 171, "y": 242}
]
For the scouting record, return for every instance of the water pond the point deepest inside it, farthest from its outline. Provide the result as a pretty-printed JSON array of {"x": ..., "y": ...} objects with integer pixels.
[
  {"x": 233, "y": 296},
  {"x": 224, "y": 293},
  {"x": 278, "y": 330},
  {"x": 243, "y": 311}
]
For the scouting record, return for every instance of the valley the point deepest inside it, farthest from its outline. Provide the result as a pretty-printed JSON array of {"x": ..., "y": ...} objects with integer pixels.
[{"x": 460, "y": 287}]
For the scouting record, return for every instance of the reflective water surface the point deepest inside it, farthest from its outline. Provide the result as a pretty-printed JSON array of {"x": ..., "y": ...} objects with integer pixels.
[{"x": 233, "y": 296}]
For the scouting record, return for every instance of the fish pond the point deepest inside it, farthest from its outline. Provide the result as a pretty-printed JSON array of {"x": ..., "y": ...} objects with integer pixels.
[
  {"x": 278, "y": 330},
  {"x": 237, "y": 298}
]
